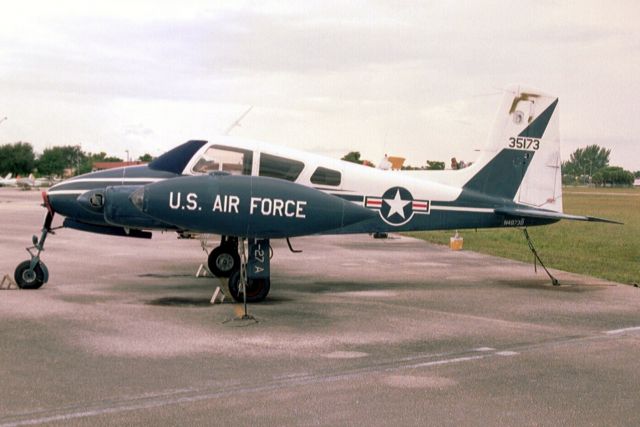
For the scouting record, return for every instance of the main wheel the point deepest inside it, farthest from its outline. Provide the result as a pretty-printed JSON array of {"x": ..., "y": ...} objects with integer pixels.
[
  {"x": 223, "y": 260},
  {"x": 257, "y": 289},
  {"x": 29, "y": 279}
]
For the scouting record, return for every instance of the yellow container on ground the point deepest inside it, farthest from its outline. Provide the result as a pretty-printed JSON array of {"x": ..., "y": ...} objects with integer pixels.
[{"x": 455, "y": 243}]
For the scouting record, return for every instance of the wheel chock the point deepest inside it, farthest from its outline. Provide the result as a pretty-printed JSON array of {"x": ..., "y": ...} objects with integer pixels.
[
  {"x": 221, "y": 291},
  {"x": 8, "y": 283},
  {"x": 217, "y": 294},
  {"x": 203, "y": 271}
]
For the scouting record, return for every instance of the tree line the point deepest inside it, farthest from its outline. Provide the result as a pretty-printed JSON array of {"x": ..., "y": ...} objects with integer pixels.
[
  {"x": 588, "y": 165},
  {"x": 19, "y": 158}
]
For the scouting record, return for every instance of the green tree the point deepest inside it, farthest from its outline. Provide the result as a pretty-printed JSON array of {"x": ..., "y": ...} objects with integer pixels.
[
  {"x": 613, "y": 175},
  {"x": 586, "y": 161},
  {"x": 103, "y": 157},
  {"x": 636, "y": 174},
  {"x": 435, "y": 165},
  {"x": 410, "y": 168},
  {"x": 353, "y": 157},
  {"x": 55, "y": 160},
  {"x": 17, "y": 158},
  {"x": 146, "y": 157}
]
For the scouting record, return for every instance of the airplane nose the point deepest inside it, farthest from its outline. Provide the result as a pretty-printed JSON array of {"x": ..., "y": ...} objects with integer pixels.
[{"x": 137, "y": 198}]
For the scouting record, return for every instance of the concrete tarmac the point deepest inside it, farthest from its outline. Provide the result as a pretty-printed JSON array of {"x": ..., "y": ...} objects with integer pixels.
[{"x": 355, "y": 331}]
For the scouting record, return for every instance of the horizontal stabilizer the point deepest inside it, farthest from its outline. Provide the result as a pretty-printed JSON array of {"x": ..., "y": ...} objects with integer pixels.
[{"x": 546, "y": 214}]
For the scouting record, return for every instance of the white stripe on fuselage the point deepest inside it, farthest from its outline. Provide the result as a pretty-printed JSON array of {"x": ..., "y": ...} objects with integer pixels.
[
  {"x": 58, "y": 192},
  {"x": 122, "y": 181},
  {"x": 461, "y": 209},
  {"x": 114, "y": 180}
]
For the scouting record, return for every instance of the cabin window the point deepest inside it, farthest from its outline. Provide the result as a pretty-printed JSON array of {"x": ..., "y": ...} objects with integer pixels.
[
  {"x": 280, "y": 167},
  {"x": 324, "y": 176},
  {"x": 227, "y": 159}
]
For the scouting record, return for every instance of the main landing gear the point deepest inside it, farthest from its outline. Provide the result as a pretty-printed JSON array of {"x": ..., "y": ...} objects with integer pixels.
[
  {"x": 224, "y": 259},
  {"x": 248, "y": 272},
  {"x": 33, "y": 273}
]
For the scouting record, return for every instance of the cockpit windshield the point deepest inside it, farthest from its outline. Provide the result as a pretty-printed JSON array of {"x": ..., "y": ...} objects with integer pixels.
[{"x": 236, "y": 161}]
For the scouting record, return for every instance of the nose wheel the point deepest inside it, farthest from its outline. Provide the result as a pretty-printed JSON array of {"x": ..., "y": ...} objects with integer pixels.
[
  {"x": 33, "y": 273},
  {"x": 28, "y": 277}
]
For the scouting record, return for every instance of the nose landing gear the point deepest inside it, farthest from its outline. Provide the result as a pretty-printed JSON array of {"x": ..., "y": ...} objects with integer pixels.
[{"x": 33, "y": 273}]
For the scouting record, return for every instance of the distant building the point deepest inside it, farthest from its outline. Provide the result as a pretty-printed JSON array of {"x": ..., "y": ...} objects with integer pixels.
[
  {"x": 636, "y": 183},
  {"x": 391, "y": 162},
  {"x": 396, "y": 162},
  {"x": 98, "y": 166}
]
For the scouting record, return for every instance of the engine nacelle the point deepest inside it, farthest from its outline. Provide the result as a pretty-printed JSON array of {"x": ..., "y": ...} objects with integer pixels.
[{"x": 119, "y": 211}]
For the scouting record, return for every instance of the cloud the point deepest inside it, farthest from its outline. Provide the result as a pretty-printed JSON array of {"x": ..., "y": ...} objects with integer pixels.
[{"x": 357, "y": 75}]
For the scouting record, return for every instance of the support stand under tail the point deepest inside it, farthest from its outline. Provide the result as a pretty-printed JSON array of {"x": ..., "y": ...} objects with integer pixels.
[{"x": 536, "y": 257}]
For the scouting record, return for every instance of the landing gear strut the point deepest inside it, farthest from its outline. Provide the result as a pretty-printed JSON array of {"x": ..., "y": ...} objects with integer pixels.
[
  {"x": 33, "y": 273},
  {"x": 554, "y": 281}
]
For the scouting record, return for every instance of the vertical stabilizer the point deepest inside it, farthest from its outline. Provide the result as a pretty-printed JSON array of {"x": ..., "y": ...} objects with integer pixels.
[{"x": 521, "y": 161}]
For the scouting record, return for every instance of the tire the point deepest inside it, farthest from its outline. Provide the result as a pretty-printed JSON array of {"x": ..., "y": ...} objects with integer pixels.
[
  {"x": 257, "y": 289},
  {"x": 26, "y": 279},
  {"x": 223, "y": 260}
]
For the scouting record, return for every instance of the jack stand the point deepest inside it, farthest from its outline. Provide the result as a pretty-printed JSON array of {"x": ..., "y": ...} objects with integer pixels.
[{"x": 554, "y": 281}]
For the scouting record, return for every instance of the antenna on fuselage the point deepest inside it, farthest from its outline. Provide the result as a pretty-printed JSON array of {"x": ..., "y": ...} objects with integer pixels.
[{"x": 237, "y": 122}]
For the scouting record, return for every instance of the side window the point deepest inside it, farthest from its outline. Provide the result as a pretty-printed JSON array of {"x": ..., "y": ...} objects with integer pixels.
[
  {"x": 280, "y": 167},
  {"x": 218, "y": 158},
  {"x": 324, "y": 176}
]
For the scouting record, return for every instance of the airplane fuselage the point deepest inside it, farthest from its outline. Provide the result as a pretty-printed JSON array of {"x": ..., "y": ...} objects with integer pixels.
[{"x": 399, "y": 202}]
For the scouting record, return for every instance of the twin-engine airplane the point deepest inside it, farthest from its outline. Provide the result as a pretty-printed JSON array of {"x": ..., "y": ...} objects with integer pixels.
[{"x": 252, "y": 191}]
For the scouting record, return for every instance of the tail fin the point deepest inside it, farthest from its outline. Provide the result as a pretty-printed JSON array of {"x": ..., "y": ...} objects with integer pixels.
[{"x": 521, "y": 161}]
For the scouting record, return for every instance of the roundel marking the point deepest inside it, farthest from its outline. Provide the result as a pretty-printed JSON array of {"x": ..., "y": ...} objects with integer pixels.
[{"x": 397, "y": 206}]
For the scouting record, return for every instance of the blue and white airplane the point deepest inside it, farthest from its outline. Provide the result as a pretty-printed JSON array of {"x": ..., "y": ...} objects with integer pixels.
[{"x": 250, "y": 190}]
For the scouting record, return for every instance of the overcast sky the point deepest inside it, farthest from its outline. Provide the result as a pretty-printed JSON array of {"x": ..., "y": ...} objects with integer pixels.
[{"x": 416, "y": 79}]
